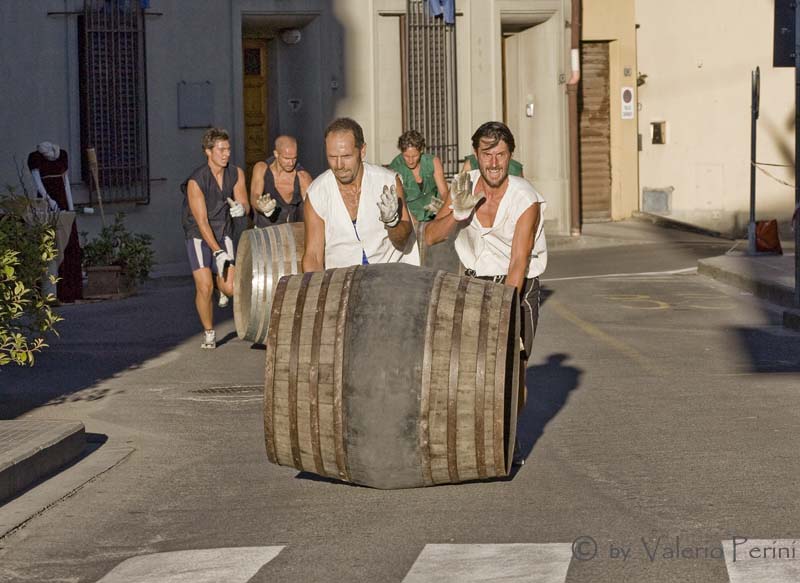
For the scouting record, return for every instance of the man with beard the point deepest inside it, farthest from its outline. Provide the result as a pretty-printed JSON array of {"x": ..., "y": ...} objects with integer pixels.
[
  {"x": 279, "y": 185},
  {"x": 499, "y": 220},
  {"x": 355, "y": 213}
]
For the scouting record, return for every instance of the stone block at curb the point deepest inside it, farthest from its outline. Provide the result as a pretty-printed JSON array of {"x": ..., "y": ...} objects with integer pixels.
[{"x": 33, "y": 449}]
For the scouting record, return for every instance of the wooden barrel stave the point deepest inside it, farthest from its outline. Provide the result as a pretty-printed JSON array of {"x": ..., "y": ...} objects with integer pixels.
[
  {"x": 264, "y": 255},
  {"x": 463, "y": 434}
]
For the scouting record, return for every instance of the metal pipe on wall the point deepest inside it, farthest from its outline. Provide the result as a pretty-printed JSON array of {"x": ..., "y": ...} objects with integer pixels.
[{"x": 574, "y": 120}]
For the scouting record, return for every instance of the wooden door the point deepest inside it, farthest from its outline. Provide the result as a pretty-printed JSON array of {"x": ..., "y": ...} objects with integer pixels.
[
  {"x": 254, "y": 56},
  {"x": 595, "y": 128}
]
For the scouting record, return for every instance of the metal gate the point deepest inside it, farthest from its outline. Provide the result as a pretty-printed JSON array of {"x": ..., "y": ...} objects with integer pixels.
[
  {"x": 429, "y": 75},
  {"x": 113, "y": 97}
]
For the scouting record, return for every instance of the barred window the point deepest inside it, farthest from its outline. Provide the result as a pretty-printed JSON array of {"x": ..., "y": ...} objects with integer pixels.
[
  {"x": 429, "y": 78},
  {"x": 113, "y": 98}
]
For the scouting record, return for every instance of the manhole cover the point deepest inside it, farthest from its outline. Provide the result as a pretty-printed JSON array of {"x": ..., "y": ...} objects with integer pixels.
[{"x": 234, "y": 390}]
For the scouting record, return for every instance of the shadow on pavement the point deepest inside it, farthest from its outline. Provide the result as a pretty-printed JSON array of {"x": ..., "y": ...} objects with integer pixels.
[
  {"x": 101, "y": 340},
  {"x": 770, "y": 350},
  {"x": 549, "y": 385}
]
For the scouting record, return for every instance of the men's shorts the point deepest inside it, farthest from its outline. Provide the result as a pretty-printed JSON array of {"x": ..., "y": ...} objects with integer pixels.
[{"x": 200, "y": 254}]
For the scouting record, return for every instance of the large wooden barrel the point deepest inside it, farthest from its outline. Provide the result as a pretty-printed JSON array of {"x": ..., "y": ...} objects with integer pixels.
[
  {"x": 441, "y": 255},
  {"x": 392, "y": 376},
  {"x": 264, "y": 255}
]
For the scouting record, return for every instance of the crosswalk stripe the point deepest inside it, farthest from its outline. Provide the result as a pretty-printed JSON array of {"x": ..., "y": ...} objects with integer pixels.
[
  {"x": 232, "y": 565},
  {"x": 762, "y": 560},
  {"x": 474, "y": 563}
]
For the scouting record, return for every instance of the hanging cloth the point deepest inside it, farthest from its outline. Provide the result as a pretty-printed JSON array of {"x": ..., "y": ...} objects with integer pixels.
[{"x": 444, "y": 8}]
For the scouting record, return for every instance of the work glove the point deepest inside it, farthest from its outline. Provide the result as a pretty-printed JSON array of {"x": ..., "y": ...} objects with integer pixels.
[
  {"x": 463, "y": 201},
  {"x": 237, "y": 208},
  {"x": 435, "y": 205},
  {"x": 389, "y": 206},
  {"x": 266, "y": 204},
  {"x": 220, "y": 258}
]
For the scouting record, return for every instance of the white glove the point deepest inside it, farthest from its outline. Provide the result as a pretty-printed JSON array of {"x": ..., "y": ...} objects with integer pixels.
[
  {"x": 266, "y": 204},
  {"x": 389, "y": 206},
  {"x": 237, "y": 208},
  {"x": 435, "y": 205},
  {"x": 463, "y": 201},
  {"x": 220, "y": 257},
  {"x": 53, "y": 205}
]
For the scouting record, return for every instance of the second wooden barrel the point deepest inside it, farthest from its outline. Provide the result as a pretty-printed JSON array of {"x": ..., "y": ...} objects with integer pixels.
[
  {"x": 441, "y": 255},
  {"x": 392, "y": 376},
  {"x": 264, "y": 255}
]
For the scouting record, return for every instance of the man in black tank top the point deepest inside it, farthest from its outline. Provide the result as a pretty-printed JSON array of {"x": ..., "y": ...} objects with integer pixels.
[
  {"x": 278, "y": 186},
  {"x": 214, "y": 193}
]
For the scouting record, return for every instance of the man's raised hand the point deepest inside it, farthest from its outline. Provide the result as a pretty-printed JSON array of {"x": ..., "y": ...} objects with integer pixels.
[
  {"x": 389, "y": 206},
  {"x": 435, "y": 205},
  {"x": 237, "y": 209},
  {"x": 463, "y": 201},
  {"x": 266, "y": 204}
]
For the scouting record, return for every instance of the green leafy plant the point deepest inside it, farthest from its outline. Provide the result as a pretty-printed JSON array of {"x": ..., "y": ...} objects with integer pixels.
[
  {"x": 116, "y": 246},
  {"x": 27, "y": 245}
]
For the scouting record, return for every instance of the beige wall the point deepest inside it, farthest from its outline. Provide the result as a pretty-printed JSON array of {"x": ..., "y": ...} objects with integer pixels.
[
  {"x": 698, "y": 81},
  {"x": 614, "y": 21},
  {"x": 371, "y": 93},
  {"x": 537, "y": 64}
]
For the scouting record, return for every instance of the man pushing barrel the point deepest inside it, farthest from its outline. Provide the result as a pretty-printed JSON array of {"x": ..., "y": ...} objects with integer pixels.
[
  {"x": 499, "y": 221},
  {"x": 355, "y": 213}
]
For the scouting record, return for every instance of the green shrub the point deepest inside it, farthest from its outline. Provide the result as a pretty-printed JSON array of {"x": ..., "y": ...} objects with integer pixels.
[
  {"x": 27, "y": 245},
  {"x": 116, "y": 246}
]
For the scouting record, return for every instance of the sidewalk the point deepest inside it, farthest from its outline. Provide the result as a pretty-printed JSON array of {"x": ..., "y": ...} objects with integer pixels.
[{"x": 32, "y": 449}]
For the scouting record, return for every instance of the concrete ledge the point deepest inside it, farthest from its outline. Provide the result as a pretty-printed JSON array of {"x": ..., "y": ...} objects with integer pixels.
[
  {"x": 765, "y": 277},
  {"x": 669, "y": 223},
  {"x": 33, "y": 449}
]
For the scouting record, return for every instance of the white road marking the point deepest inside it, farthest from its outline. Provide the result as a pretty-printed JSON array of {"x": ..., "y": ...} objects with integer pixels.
[
  {"x": 673, "y": 272},
  {"x": 762, "y": 561},
  {"x": 510, "y": 563},
  {"x": 231, "y": 565}
]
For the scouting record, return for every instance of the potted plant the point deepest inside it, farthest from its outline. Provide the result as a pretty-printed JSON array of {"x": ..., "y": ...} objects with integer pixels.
[{"x": 116, "y": 260}]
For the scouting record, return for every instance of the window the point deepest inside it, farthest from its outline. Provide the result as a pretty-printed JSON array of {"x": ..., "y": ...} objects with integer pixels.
[{"x": 113, "y": 98}]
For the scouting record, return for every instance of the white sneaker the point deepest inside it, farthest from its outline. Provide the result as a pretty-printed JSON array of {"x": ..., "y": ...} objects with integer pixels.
[
  {"x": 223, "y": 300},
  {"x": 209, "y": 339}
]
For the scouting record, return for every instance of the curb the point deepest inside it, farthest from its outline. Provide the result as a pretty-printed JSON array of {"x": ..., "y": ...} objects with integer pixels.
[
  {"x": 32, "y": 449},
  {"x": 773, "y": 292},
  {"x": 669, "y": 223}
]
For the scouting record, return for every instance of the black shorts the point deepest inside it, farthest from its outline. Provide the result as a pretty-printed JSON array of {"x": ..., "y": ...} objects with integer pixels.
[{"x": 200, "y": 254}]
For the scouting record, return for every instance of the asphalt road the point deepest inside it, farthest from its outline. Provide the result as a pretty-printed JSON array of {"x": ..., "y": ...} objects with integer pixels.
[{"x": 660, "y": 430}]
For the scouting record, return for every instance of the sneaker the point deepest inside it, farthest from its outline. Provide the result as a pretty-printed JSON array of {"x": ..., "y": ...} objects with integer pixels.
[
  {"x": 209, "y": 339},
  {"x": 223, "y": 300}
]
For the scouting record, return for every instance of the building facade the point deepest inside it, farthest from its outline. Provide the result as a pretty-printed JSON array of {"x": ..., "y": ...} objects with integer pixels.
[{"x": 140, "y": 80}]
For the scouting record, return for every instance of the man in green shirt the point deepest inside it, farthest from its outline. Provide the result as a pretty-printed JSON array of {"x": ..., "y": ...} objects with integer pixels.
[{"x": 422, "y": 174}]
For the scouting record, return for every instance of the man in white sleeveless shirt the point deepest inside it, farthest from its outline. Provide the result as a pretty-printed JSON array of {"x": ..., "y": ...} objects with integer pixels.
[
  {"x": 355, "y": 213},
  {"x": 499, "y": 221}
]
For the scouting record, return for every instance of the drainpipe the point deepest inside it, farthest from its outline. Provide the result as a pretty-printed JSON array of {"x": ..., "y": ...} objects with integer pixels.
[{"x": 574, "y": 121}]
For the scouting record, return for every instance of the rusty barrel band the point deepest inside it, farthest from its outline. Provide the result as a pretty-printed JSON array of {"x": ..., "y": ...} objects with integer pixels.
[
  {"x": 427, "y": 371},
  {"x": 500, "y": 380},
  {"x": 338, "y": 361},
  {"x": 480, "y": 379},
  {"x": 294, "y": 356},
  {"x": 269, "y": 374},
  {"x": 452, "y": 388},
  {"x": 313, "y": 372}
]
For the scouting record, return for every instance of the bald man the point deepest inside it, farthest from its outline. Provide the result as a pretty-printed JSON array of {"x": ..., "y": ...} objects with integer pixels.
[{"x": 279, "y": 185}]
